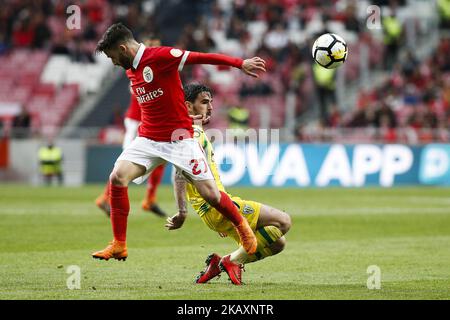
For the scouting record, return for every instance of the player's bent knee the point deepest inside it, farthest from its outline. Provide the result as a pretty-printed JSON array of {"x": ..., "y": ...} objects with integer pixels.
[
  {"x": 285, "y": 223},
  {"x": 118, "y": 179},
  {"x": 282, "y": 221}
]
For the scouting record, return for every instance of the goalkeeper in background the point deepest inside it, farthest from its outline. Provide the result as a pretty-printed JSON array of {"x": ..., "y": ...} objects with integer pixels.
[{"x": 269, "y": 224}]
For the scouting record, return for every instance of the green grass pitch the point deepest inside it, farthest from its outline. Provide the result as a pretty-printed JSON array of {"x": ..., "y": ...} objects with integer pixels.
[{"x": 336, "y": 235}]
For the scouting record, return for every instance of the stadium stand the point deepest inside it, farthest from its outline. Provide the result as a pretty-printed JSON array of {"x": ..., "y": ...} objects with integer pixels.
[
  {"x": 46, "y": 69},
  {"x": 410, "y": 98}
]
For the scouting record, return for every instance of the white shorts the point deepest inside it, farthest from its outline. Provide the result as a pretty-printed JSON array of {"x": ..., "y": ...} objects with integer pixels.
[
  {"x": 186, "y": 155},
  {"x": 131, "y": 129}
]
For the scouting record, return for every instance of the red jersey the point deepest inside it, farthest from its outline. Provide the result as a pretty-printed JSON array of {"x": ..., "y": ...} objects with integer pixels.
[
  {"x": 134, "y": 109},
  {"x": 156, "y": 84}
]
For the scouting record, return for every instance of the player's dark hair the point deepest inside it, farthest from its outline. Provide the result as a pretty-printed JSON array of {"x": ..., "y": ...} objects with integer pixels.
[
  {"x": 116, "y": 34},
  {"x": 192, "y": 90}
]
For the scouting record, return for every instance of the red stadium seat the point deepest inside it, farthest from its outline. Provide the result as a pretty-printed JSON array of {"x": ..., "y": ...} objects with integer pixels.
[{"x": 47, "y": 89}]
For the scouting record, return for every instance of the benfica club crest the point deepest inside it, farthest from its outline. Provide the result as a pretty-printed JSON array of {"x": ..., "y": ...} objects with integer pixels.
[{"x": 147, "y": 74}]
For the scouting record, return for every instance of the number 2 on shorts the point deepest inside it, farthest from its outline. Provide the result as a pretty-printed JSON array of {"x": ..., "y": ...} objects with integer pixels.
[{"x": 196, "y": 162}]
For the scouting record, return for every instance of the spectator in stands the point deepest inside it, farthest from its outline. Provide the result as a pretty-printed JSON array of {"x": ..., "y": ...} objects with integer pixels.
[
  {"x": 89, "y": 33},
  {"x": 443, "y": 132},
  {"x": 446, "y": 95},
  {"x": 443, "y": 7},
  {"x": 409, "y": 64},
  {"x": 274, "y": 12},
  {"x": 295, "y": 69},
  {"x": 80, "y": 53},
  {"x": 60, "y": 45},
  {"x": 23, "y": 33},
  {"x": 385, "y": 116},
  {"x": 335, "y": 117},
  {"x": 363, "y": 117},
  {"x": 238, "y": 117},
  {"x": 350, "y": 18},
  {"x": 21, "y": 124},
  {"x": 442, "y": 55},
  {"x": 204, "y": 41},
  {"x": 260, "y": 88},
  {"x": 387, "y": 132},
  {"x": 3, "y": 44},
  {"x": 299, "y": 133},
  {"x": 393, "y": 35},
  {"x": 324, "y": 80},
  {"x": 277, "y": 40},
  {"x": 245, "y": 10},
  {"x": 422, "y": 118},
  {"x": 236, "y": 28},
  {"x": 94, "y": 10},
  {"x": 42, "y": 33}
]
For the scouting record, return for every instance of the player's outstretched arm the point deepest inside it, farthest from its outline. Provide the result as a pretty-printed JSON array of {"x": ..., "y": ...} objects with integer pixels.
[
  {"x": 249, "y": 66},
  {"x": 179, "y": 187}
]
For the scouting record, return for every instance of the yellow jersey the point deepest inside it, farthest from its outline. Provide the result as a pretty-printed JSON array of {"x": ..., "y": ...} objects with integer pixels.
[
  {"x": 198, "y": 203},
  {"x": 50, "y": 160}
]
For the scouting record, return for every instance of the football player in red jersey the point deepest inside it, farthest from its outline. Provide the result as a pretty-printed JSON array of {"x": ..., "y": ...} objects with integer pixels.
[
  {"x": 166, "y": 133},
  {"x": 131, "y": 122},
  {"x": 149, "y": 203}
]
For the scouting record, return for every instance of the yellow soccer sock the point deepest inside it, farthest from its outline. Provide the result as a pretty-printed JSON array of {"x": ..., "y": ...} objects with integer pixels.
[{"x": 265, "y": 236}]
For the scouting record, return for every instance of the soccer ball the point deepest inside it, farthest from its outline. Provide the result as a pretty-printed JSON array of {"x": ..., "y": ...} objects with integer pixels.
[{"x": 329, "y": 50}]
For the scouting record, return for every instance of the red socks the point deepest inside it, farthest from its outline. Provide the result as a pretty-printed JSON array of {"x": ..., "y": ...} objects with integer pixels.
[
  {"x": 228, "y": 209},
  {"x": 120, "y": 204},
  {"x": 153, "y": 182},
  {"x": 120, "y": 207}
]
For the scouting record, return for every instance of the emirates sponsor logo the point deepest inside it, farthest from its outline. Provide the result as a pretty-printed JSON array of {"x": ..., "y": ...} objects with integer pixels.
[{"x": 142, "y": 96}]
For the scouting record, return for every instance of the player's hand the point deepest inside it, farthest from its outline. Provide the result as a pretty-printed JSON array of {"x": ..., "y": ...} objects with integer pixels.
[
  {"x": 200, "y": 119},
  {"x": 176, "y": 221},
  {"x": 251, "y": 66}
]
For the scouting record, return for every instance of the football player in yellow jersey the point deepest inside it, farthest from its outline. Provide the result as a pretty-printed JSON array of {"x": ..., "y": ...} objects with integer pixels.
[{"x": 269, "y": 224}]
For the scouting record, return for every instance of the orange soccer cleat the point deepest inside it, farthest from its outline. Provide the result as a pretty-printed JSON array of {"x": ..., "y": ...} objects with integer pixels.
[
  {"x": 248, "y": 238},
  {"x": 115, "y": 249},
  {"x": 103, "y": 203},
  {"x": 212, "y": 269},
  {"x": 149, "y": 205},
  {"x": 233, "y": 270}
]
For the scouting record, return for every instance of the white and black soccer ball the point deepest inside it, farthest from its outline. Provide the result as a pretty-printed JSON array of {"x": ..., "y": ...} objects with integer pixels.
[{"x": 329, "y": 50}]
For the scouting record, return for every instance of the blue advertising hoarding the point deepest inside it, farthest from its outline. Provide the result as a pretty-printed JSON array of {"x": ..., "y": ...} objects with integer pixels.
[
  {"x": 435, "y": 165},
  {"x": 317, "y": 165}
]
